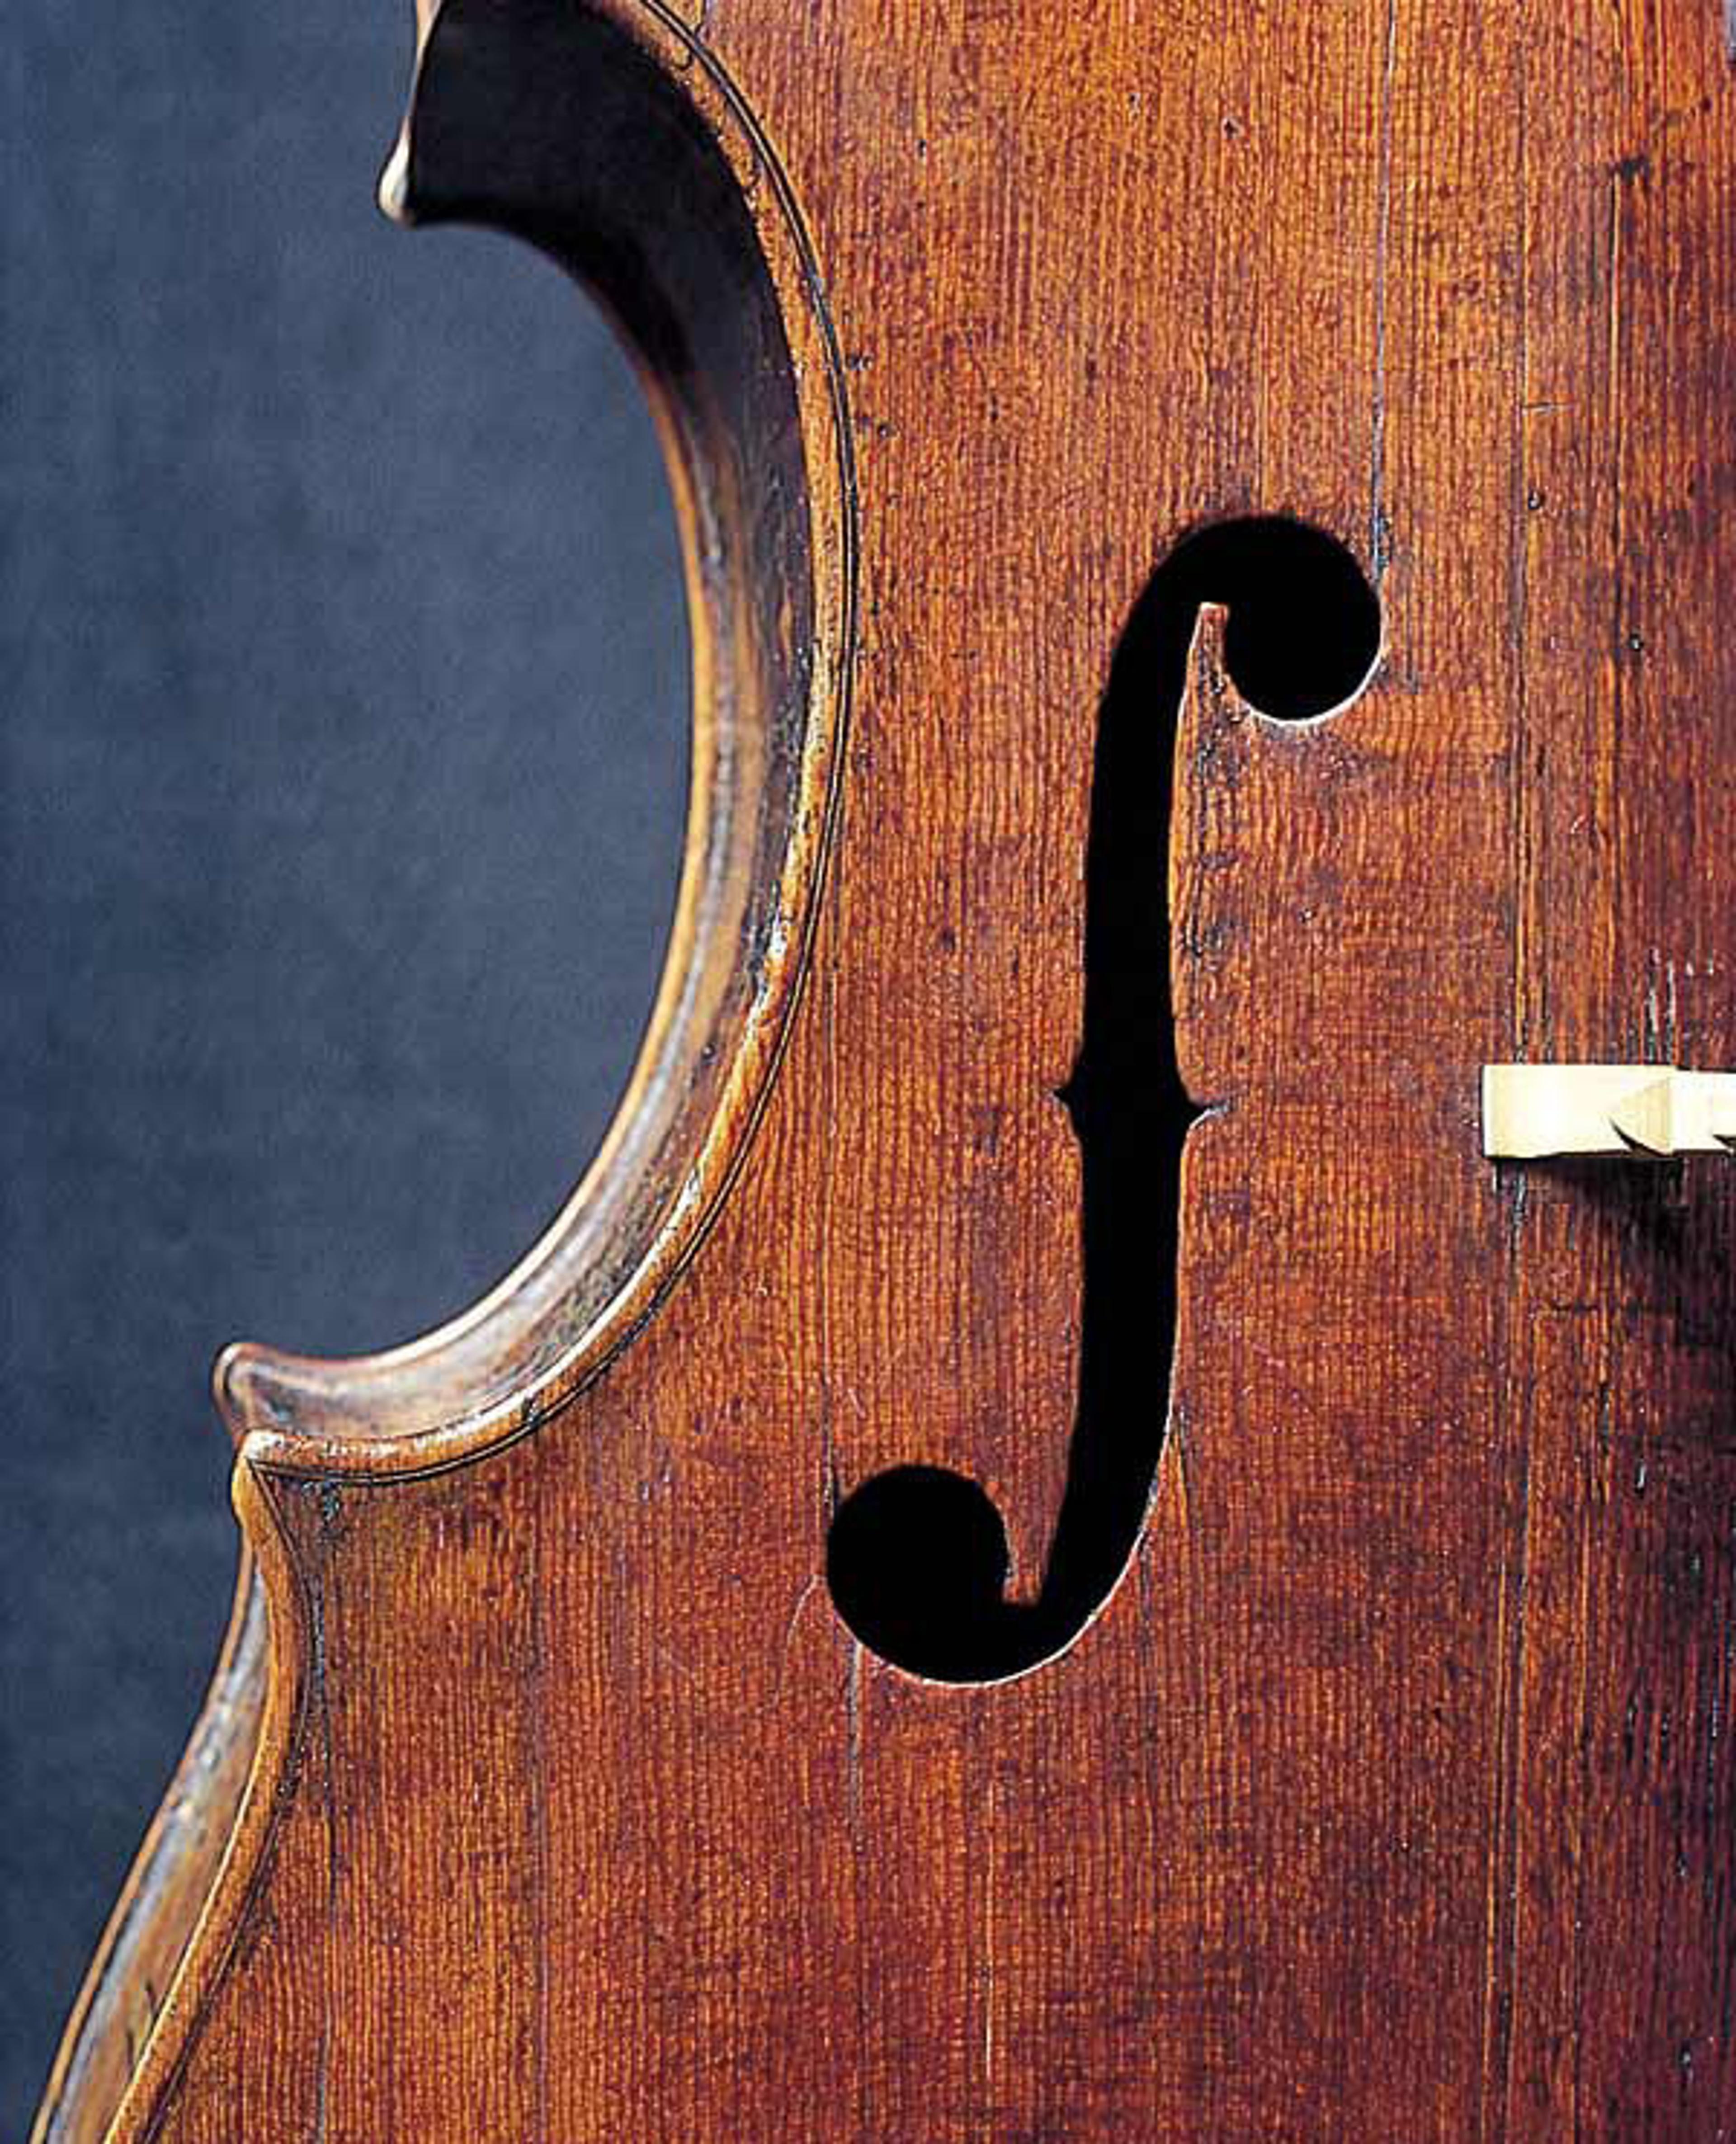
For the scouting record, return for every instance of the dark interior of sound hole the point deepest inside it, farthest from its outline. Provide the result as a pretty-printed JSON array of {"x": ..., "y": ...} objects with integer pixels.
[{"x": 916, "y": 1557}]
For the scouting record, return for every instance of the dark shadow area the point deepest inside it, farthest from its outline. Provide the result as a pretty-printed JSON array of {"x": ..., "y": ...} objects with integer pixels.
[{"x": 917, "y": 1557}]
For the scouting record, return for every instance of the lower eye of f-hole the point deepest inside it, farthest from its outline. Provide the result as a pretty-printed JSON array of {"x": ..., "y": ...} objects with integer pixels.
[{"x": 917, "y": 1558}]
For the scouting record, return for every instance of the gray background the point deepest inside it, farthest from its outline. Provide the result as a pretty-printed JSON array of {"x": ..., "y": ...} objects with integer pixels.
[{"x": 345, "y": 728}]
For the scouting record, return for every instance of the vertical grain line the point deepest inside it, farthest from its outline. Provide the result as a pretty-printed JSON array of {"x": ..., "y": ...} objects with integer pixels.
[
  {"x": 1378, "y": 544},
  {"x": 1519, "y": 792},
  {"x": 537, "y": 1698}
]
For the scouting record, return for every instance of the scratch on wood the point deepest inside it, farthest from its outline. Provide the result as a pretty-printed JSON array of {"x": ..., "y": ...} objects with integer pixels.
[
  {"x": 677, "y": 1665},
  {"x": 829, "y": 1493},
  {"x": 1178, "y": 1434},
  {"x": 802, "y": 1599},
  {"x": 1519, "y": 1191},
  {"x": 854, "y": 1707},
  {"x": 1612, "y": 374},
  {"x": 322, "y": 2079}
]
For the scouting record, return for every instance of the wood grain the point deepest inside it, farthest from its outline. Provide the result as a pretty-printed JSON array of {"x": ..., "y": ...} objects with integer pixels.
[{"x": 1390, "y": 1796}]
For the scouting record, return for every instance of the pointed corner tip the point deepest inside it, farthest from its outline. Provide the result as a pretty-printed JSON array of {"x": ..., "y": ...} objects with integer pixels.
[
  {"x": 229, "y": 1384},
  {"x": 393, "y": 192}
]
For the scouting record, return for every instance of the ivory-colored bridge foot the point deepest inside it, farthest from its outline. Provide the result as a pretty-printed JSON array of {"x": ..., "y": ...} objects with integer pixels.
[{"x": 1645, "y": 1112}]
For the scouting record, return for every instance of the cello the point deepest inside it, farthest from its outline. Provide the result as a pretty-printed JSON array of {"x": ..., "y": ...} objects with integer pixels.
[{"x": 1083, "y": 1529}]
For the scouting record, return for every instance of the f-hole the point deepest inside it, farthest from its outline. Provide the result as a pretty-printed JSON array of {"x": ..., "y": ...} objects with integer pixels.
[{"x": 917, "y": 1558}]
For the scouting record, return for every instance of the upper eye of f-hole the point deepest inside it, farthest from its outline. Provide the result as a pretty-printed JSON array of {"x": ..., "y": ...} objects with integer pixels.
[{"x": 917, "y": 1558}]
